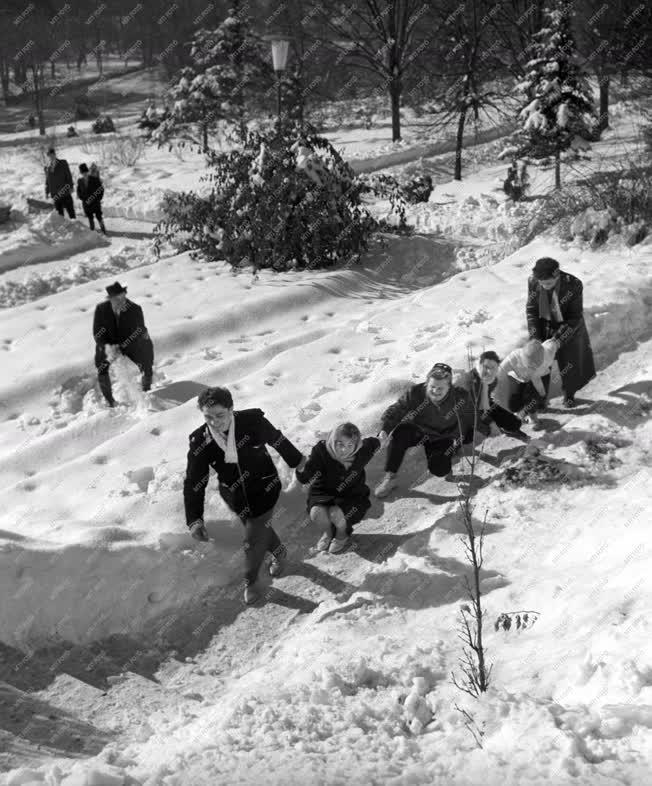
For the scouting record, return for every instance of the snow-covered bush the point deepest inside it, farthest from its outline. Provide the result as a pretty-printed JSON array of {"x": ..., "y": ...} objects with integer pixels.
[
  {"x": 284, "y": 199},
  {"x": 103, "y": 125}
]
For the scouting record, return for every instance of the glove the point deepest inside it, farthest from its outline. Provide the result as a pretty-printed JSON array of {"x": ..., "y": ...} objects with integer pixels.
[
  {"x": 198, "y": 531},
  {"x": 383, "y": 436},
  {"x": 301, "y": 465}
]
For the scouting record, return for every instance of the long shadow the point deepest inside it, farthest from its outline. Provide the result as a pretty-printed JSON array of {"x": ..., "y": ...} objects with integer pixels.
[{"x": 49, "y": 729}]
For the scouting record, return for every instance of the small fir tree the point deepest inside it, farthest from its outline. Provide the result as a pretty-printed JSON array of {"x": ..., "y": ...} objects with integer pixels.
[
  {"x": 227, "y": 75},
  {"x": 559, "y": 114}
]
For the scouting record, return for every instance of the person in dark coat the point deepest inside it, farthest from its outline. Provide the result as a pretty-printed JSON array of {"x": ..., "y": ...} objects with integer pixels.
[
  {"x": 58, "y": 183},
  {"x": 555, "y": 309},
  {"x": 435, "y": 414},
  {"x": 90, "y": 192},
  {"x": 120, "y": 322},
  {"x": 234, "y": 444},
  {"x": 339, "y": 496},
  {"x": 481, "y": 383}
]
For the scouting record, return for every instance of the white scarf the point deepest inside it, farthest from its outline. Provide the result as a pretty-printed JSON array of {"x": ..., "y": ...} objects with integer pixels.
[{"x": 228, "y": 444}]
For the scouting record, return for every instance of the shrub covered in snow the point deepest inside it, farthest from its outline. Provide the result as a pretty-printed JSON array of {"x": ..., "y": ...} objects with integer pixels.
[
  {"x": 103, "y": 125},
  {"x": 284, "y": 199}
]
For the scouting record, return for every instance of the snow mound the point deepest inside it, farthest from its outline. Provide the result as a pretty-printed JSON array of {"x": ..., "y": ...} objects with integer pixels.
[{"x": 44, "y": 237}]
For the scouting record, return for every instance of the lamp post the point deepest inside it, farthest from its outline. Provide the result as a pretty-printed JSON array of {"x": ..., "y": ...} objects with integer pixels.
[{"x": 280, "y": 48}]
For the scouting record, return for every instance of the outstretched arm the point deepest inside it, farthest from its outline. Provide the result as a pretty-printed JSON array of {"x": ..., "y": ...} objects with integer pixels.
[
  {"x": 395, "y": 413},
  {"x": 281, "y": 444},
  {"x": 311, "y": 469}
]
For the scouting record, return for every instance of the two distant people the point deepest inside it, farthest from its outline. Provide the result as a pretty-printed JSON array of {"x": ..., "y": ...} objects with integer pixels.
[{"x": 59, "y": 186}]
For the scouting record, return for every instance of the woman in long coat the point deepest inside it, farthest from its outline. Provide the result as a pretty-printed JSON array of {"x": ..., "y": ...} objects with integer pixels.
[
  {"x": 339, "y": 496},
  {"x": 234, "y": 444},
  {"x": 555, "y": 309}
]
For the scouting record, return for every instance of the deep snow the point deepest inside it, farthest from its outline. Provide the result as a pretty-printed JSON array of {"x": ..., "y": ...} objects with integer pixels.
[{"x": 316, "y": 686}]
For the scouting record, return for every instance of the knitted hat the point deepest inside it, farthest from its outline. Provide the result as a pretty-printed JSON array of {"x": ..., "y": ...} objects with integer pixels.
[
  {"x": 546, "y": 267},
  {"x": 440, "y": 371}
]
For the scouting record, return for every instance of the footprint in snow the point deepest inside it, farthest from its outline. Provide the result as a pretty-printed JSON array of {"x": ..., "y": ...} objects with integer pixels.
[
  {"x": 212, "y": 354},
  {"x": 379, "y": 341},
  {"x": 240, "y": 340},
  {"x": 422, "y": 347},
  {"x": 309, "y": 412},
  {"x": 323, "y": 390}
]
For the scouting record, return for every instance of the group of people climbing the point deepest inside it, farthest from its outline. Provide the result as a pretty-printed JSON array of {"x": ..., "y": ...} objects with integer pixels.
[
  {"x": 439, "y": 414},
  {"x": 90, "y": 189}
]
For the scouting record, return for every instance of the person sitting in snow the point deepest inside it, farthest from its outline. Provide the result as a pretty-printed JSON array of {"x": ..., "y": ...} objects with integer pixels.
[
  {"x": 234, "y": 443},
  {"x": 90, "y": 192},
  {"x": 338, "y": 497},
  {"x": 58, "y": 184},
  {"x": 481, "y": 382},
  {"x": 120, "y": 322},
  {"x": 435, "y": 414},
  {"x": 555, "y": 309},
  {"x": 524, "y": 378}
]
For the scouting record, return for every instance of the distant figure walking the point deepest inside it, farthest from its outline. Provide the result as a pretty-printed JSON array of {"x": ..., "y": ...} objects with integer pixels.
[
  {"x": 90, "y": 192},
  {"x": 58, "y": 183},
  {"x": 555, "y": 309},
  {"x": 121, "y": 323}
]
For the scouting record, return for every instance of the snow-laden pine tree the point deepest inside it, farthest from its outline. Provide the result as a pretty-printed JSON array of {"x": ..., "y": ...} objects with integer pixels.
[
  {"x": 226, "y": 78},
  {"x": 559, "y": 113}
]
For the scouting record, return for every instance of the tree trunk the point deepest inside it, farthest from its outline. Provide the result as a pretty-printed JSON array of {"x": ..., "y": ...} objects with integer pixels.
[
  {"x": 557, "y": 170},
  {"x": 38, "y": 104},
  {"x": 459, "y": 143},
  {"x": 395, "y": 98},
  {"x": 603, "y": 121},
  {"x": 4, "y": 79},
  {"x": 204, "y": 131},
  {"x": 98, "y": 58},
  {"x": 52, "y": 71}
]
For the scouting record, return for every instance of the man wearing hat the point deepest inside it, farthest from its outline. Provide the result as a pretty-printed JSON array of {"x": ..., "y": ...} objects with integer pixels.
[
  {"x": 120, "y": 322},
  {"x": 435, "y": 414},
  {"x": 555, "y": 309},
  {"x": 58, "y": 183}
]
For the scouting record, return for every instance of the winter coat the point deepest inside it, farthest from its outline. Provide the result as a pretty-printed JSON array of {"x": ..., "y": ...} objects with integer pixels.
[
  {"x": 251, "y": 487},
  {"x": 126, "y": 331},
  {"x": 454, "y": 416},
  {"x": 90, "y": 191},
  {"x": 574, "y": 356},
  {"x": 331, "y": 483},
  {"x": 471, "y": 382},
  {"x": 58, "y": 180}
]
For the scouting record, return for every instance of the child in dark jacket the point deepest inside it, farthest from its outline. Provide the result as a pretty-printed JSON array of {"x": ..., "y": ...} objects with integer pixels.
[{"x": 339, "y": 496}]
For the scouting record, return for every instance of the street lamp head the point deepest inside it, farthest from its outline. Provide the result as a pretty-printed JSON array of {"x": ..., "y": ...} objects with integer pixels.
[{"x": 280, "y": 47}]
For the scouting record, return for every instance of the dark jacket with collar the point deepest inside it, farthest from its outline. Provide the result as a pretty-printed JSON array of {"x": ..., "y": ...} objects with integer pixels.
[
  {"x": 574, "y": 356},
  {"x": 452, "y": 417},
  {"x": 330, "y": 479},
  {"x": 90, "y": 191},
  {"x": 127, "y": 330},
  {"x": 58, "y": 180},
  {"x": 251, "y": 487}
]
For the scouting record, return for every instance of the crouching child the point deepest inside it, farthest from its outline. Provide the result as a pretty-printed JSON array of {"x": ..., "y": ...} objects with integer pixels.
[{"x": 338, "y": 497}]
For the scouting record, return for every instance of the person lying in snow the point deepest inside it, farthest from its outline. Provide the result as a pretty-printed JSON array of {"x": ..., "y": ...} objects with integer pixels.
[
  {"x": 234, "y": 443},
  {"x": 481, "y": 382},
  {"x": 338, "y": 497},
  {"x": 524, "y": 378},
  {"x": 435, "y": 414}
]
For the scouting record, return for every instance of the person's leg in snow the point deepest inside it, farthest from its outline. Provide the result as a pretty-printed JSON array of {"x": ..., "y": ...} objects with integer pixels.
[
  {"x": 319, "y": 516},
  {"x": 404, "y": 436},
  {"x": 338, "y": 520},
  {"x": 142, "y": 354},
  {"x": 102, "y": 366},
  {"x": 91, "y": 220},
  {"x": 260, "y": 538},
  {"x": 439, "y": 454},
  {"x": 69, "y": 205}
]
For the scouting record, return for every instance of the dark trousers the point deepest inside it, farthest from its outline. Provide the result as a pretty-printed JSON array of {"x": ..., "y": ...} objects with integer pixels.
[
  {"x": 141, "y": 353},
  {"x": 439, "y": 450},
  {"x": 523, "y": 395},
  {"x": 65, "y": 201},
  {"x": 93, "y": 212},
  {"x": 504, "y": 419},
  {"x": 260, "y": 538}
]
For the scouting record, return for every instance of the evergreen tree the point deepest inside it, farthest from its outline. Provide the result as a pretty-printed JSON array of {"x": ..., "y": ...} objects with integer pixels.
[
  {"x": 227, "y": 74},
  {"x": 559, "y": 114}
]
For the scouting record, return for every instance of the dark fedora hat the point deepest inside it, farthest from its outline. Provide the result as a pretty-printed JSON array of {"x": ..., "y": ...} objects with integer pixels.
[
  {"x": 546, "y": 267},
  {"x": 115, "y": 289}
]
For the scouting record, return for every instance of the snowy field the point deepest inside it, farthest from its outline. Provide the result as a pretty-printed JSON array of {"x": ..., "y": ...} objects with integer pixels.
[{"x": 101, "y": 582}]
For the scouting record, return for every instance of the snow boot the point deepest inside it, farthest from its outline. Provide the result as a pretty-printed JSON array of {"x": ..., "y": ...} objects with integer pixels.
[
  {"x": 251, "y": 594},
  {"x": 277, "y": 565},
  {"x": 324, "y": 542},
  {"x": 339, "y": 544},
  {"x": 569, "y": 402},
  {"x": 386, "y": 486}
]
